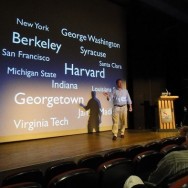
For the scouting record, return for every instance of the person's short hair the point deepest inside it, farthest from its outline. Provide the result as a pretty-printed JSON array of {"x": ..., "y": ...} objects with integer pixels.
[
  {"x": 93, "y": 94},
  {"x": 133, "y": 181},
  {"x": 118, "y": 80},
  {"x": 183, "y": 131}
]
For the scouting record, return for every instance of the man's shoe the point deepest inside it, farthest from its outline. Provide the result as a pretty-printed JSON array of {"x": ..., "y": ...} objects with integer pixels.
[
  {"x": 122, "y": 136},
  {"x": 114, "y": 138}
]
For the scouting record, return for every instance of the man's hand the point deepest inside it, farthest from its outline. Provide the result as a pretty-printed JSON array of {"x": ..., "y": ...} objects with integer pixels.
[
  {"x": 130, "y": 108},
  {"x": 106, "y": 95}
]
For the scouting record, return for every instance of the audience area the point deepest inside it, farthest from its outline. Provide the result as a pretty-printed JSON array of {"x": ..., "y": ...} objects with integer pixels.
[{"x": 104, "y": 170}]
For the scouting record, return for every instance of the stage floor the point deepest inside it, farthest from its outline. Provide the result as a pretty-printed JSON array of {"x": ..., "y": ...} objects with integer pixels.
[{"x": 24, "y": 154}]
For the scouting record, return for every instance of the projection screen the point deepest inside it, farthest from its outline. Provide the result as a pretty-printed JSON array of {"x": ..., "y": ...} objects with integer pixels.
[{"x": 53, "y": 55}]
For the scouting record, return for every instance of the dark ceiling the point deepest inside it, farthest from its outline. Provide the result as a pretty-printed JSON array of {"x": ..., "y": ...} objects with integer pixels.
[{"x": 174, "y": 8}]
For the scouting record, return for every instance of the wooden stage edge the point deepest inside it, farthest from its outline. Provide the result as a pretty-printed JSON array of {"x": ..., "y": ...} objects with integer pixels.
[{"x": 42, "y": 153}]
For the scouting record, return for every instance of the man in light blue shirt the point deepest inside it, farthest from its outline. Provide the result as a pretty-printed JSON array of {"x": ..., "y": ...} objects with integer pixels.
[{"x": 121, "y": 99}]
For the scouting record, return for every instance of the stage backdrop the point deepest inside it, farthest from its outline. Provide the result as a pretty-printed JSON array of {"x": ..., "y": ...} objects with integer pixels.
[{"x": 53, "y": 54}]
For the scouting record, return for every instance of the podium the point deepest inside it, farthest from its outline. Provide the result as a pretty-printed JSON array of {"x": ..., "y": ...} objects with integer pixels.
[{"x": 166, "y": 112}]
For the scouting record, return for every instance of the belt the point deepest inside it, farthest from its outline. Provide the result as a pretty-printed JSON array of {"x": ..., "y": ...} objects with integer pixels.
[{"x": 120, "y": 105}]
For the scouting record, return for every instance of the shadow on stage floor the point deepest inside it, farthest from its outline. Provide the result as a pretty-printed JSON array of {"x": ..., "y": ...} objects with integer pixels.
[{"x": 44, "y": 152}]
